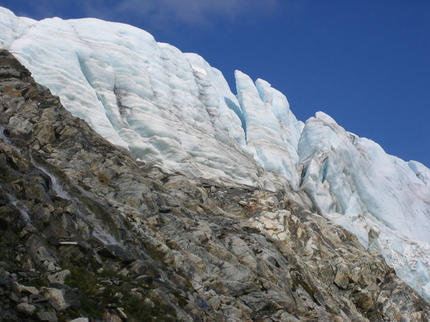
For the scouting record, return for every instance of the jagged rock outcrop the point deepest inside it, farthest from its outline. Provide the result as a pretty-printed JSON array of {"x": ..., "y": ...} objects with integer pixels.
[{"x": 88, "y": 231}]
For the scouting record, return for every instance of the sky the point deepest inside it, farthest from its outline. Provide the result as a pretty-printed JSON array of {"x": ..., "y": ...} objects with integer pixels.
[{"x": 365, "y": 63}]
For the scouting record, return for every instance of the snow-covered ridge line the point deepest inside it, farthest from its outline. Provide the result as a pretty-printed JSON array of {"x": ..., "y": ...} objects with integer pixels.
[{"x": 174, "y": 109}]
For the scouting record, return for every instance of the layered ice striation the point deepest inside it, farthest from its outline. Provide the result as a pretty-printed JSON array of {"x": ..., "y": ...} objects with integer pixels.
[{"x": 174, "y": 109}]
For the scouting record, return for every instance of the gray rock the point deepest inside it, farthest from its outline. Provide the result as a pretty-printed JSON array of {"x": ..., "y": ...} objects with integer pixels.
[
  {"x": 48, "y": 316},
  {"x": 26, "y": 308},
  {"x": 215, "y": 303},
  {"x": 56, "y": 298},
  {"x": 20, "y": 125},
  {"x": 341, "y": 280},
  {"x": 22, "y": 289},
  {"x": 59, "y": 277}
]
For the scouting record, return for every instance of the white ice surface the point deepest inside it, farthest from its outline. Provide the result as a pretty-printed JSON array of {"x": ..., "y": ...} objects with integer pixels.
[
  {"x": 164, "y": 106},
  {"x": 174, "y": 109},
  {"x": 357, "y": 185}
]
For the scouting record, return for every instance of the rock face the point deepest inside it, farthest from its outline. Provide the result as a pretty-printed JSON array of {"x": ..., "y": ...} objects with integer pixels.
[{"x": 89, "y": 232}]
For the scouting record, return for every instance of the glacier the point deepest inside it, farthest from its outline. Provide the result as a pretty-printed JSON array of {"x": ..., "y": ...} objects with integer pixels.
[{"x": 174, "y": 109}]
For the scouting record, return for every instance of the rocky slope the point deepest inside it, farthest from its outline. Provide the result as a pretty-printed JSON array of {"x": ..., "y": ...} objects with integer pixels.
[{"x": 88, "y": 231}]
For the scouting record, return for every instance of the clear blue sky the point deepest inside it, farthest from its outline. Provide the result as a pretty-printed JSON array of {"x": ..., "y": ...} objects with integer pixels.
[{"x": 365, "y": 63}]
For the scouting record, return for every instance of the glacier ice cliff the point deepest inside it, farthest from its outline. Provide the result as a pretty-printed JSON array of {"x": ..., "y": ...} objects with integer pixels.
[{"x": 172, "y": 108}]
